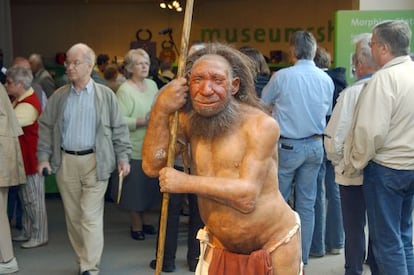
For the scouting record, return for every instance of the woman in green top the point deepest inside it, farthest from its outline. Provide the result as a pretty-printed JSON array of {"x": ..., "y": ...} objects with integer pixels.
[{"x": 140, "y": 193}]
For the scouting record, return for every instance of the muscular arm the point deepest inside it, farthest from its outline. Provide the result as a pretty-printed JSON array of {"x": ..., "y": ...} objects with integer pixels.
[
  {"x": 155, "y": 147},
  {"x": 238, "y": 188}
]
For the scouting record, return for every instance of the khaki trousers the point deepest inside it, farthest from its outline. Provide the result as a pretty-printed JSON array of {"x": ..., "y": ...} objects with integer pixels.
[
  {"x": 83, "y": 201},
  {"x": 6, "y": 247}
]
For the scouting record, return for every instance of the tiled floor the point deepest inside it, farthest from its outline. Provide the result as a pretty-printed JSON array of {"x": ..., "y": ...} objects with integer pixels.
[{"x": 122, "y": 255}]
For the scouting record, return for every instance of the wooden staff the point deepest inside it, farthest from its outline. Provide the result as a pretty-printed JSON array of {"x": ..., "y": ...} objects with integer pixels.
[{"x": 185, "y": 37}]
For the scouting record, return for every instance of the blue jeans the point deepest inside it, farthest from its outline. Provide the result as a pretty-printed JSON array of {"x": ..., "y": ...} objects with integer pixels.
[
  {"x": 334, "y": 237},
  {"x": 299, "y": 163},
  {"x": 389, "y": 200},
  {"x": 318, "y": 238},
  {"x": 328, "y": 233}
]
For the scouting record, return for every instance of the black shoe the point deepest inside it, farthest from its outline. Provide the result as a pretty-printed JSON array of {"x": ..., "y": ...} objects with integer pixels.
[
  {"x": 166, "y": 267},
  {"x": 149, "y": 229},
  {"x": 192, "y": 265},
  {"x": 86, "y": 273},
  {"x": 137, "y": 235}
]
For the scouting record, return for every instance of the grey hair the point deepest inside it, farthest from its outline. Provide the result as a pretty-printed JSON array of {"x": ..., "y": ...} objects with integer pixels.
[
  {"x": 21, "y": 74},
  {"x": 304, "y": 45},
  {"x": 131, "y": 57},
  {"x": 364, "y": 54},
  {"x": 87, "y": 53},
  {"x": 396, "y": 34}
]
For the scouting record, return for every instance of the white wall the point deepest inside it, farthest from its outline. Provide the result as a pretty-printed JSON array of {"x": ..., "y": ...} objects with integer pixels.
[{"x": 386, "y": 5}]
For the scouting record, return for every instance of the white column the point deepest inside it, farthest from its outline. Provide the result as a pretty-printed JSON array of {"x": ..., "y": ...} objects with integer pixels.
[{"x": 386, "y": 5}]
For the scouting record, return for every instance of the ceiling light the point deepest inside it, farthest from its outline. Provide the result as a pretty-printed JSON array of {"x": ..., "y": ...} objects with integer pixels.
[
  {"x": 172, "y": 5},
  {"x": 176, "y": 4}
]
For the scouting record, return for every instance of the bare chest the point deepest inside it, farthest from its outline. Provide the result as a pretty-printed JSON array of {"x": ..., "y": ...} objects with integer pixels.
[{"x": 220, "y": 157}]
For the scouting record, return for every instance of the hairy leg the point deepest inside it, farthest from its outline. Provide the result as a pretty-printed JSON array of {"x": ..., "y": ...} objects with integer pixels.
[{"x": 287, "y": 258}]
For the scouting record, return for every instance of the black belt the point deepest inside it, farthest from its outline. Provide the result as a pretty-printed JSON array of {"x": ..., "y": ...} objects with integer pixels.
[
  {"x": 79, "y": 153},
  {"x": 312, "y": 136}
]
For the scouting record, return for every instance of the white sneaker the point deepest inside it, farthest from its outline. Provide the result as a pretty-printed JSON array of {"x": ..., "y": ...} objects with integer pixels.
[
  {"x": 20, "y": 238},
  {"x": 32, "y": 244},
  {"x": 335, "y": 251},
  {"x": 9, "y": 267}
]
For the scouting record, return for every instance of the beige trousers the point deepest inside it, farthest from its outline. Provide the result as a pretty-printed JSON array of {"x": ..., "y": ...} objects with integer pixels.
[
  {"x": 6, "y": 247},
  {"x": 83, "y": 201}
]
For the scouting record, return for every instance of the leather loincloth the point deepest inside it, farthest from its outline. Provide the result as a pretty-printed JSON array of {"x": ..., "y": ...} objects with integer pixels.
[{"x": 259, "y": 262}]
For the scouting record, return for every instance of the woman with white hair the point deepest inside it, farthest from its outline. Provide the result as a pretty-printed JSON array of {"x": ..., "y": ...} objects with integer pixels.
[{"x": 135, "y": 96}]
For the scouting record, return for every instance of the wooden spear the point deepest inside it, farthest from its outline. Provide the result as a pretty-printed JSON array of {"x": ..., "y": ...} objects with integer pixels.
[{"x": 185, "y": 38}]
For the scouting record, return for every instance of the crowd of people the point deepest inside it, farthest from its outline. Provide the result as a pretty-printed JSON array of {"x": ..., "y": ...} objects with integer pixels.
[{"x": 274, "y": 167}]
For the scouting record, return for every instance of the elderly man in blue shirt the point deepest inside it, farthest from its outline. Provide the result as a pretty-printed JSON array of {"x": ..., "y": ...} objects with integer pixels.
[{"x": 301, "y": 98}]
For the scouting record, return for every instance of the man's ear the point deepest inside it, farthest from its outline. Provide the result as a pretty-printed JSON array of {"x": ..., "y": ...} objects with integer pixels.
[
  {"x": 384, "y": 48},
  {"x": 235, "y": 85}
]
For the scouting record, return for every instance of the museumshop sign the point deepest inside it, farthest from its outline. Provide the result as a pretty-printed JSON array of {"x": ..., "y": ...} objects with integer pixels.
[{"x": 265, "y": 35}]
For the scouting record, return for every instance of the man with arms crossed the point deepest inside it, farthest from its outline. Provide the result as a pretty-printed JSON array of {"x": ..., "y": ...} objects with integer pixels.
[{"x": 233, "y": 147}]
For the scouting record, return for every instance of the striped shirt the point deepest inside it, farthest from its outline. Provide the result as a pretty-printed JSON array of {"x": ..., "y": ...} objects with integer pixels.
[{"x": 79, "y": 119}]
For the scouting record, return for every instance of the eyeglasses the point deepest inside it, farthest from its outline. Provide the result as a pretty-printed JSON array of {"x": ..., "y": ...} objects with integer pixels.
[
  {"x": 353, "y": 70},
  {"x": 75, "y": 63}
]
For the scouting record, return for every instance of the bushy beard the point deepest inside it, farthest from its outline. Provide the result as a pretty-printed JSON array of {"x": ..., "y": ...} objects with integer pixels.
[{"x": 208, "y": 127}]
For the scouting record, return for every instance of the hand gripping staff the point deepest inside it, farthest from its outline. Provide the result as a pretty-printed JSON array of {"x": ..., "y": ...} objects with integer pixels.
[{"x": 185, "y": 37}]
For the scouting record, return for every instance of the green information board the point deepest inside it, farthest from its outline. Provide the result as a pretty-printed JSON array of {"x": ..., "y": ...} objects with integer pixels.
[{"x": 348, "y": 24}]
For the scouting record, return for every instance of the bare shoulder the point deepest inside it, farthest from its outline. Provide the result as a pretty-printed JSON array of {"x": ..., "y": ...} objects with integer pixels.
[{"x": 258, "y": 124}]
